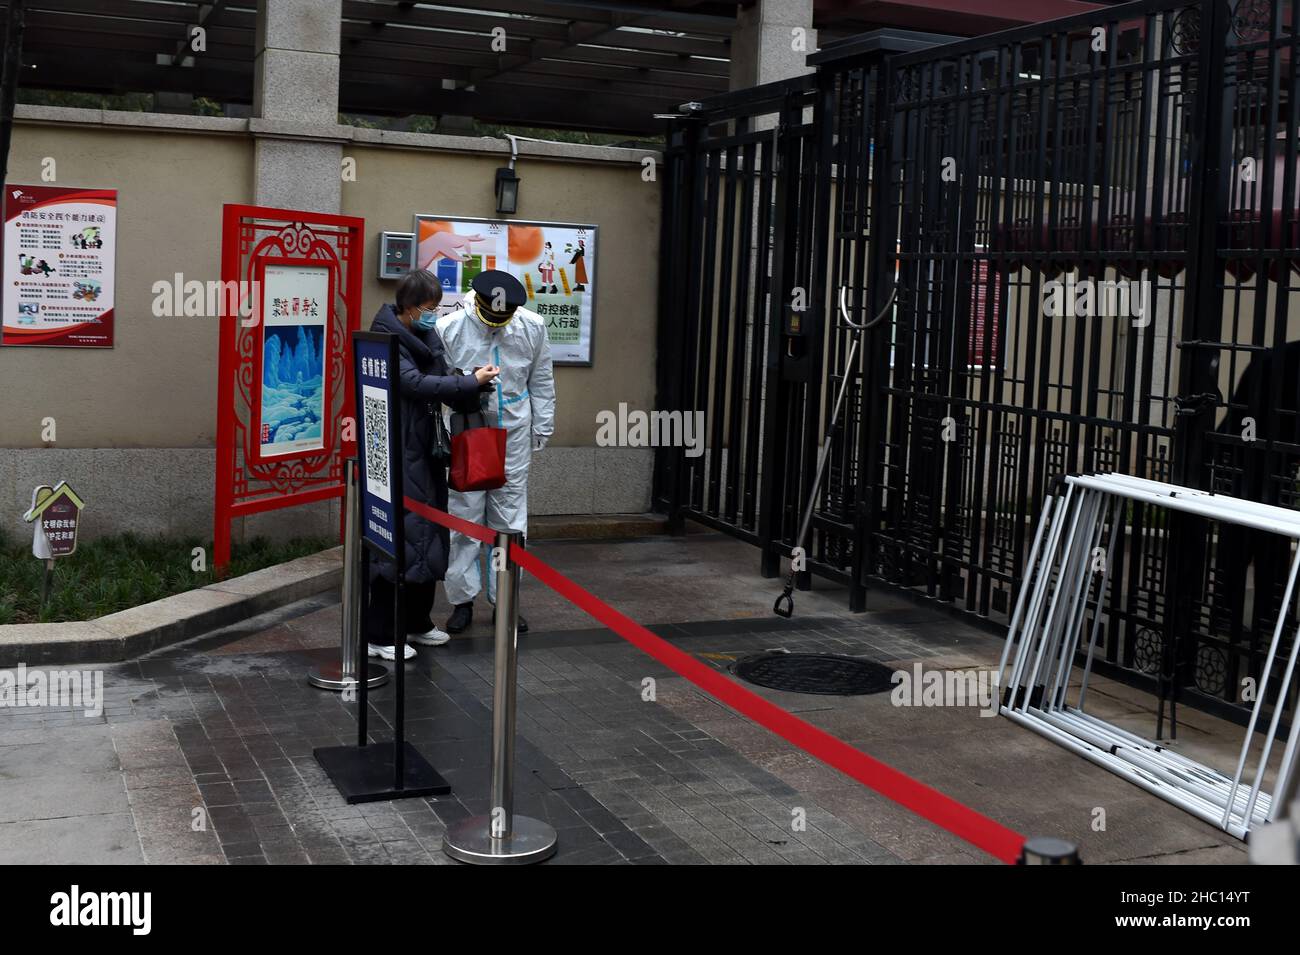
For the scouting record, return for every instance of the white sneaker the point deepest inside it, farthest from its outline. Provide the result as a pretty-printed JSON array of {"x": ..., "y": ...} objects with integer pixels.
[
  {"x": 434, "y": 638},
  {"x": 389, "y": 653}
]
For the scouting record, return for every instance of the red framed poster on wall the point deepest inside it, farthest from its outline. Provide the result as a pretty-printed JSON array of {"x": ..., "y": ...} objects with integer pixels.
[
  {"x": 292, "y": 388},
  {"x": 982, "y": 346},
  {"x": 283, "y": 391},
  {"x": 59, "y": 275}
]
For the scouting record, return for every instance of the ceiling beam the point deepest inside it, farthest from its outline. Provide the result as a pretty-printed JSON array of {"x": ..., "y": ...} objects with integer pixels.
[
  {"x": 510, "y": 105},
  {"x": 206, "y": 19},
  {"x": 438, "y": 46},
  {"x": 659, "y": 78},
  {"x": 145, "y": 47},
  {"x": 569, "y": 63},
  {"x": 659, "y": 18},
  {"x": 417, "y": 20},
  {"x": 124, "y": 9}
]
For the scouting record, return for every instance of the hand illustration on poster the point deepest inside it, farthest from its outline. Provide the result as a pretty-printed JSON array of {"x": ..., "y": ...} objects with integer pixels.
[
  {"x": 555, "y": 262},
  {"x": 456, "y": 251}
]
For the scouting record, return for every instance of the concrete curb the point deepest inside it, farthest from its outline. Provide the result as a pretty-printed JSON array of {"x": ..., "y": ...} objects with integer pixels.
[
  {"x": 555, "y": 527},
  {"x": 130, "y": 633}
]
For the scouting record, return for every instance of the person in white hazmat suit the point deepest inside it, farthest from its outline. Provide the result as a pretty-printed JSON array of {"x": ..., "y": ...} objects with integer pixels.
[{"x": 493, "y": 328}]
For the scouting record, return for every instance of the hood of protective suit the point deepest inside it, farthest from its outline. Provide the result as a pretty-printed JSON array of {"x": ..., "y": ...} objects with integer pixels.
[
  {"x": 523, "y": 402},
  {"x": 524, "y": 396}
]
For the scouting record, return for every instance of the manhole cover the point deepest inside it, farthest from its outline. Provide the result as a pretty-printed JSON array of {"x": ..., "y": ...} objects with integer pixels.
[{"x": 825, "y": 673}]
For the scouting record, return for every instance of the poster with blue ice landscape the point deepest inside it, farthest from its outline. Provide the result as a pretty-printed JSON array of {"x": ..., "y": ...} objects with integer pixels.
[{"x": 294, "y": 312}]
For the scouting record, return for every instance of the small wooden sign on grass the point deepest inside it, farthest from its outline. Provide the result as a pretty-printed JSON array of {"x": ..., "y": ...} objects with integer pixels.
[{"x": 54, "y": 514}]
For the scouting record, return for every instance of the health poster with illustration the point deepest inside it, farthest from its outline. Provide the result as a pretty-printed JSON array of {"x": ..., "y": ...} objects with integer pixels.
[
  {"x": 294, "y": 314},
  {"x": 456, "y": 250},
  {"x": 59, "y": 259},
  {"x": 555, "y": 262}
]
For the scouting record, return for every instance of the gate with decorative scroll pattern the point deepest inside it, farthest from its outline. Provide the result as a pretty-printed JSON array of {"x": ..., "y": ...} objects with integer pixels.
[{"x": 252, "y": 473}]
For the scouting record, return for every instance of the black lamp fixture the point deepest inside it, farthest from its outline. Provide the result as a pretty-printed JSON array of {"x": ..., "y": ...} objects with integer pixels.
[
  {"x": 507, "y": 183},
  {"x": 507, "y": 186}
]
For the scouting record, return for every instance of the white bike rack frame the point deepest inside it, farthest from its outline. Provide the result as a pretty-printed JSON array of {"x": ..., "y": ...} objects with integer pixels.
[{"x": 1064, "y": 575}]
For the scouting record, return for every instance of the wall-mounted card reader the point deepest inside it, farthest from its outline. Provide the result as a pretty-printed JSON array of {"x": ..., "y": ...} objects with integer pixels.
[{"x": 396, "y": 254}]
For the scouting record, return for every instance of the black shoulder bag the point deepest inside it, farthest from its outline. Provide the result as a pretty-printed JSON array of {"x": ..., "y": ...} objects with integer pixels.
[{"x": 440, "y": 446}]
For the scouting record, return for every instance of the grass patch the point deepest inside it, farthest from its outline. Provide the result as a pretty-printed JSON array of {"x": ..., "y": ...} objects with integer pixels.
[{"x": 113, "y": 573}]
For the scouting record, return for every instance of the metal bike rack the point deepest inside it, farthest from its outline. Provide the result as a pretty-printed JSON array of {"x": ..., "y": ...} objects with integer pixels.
[{"x": 1048, "y": 624}]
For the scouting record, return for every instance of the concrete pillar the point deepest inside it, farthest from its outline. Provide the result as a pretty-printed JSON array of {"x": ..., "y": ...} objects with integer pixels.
[
  {"x": 766, "y": 44},
  {"x": 297, "y": 157},
  {"x": 296, "y": 88}
]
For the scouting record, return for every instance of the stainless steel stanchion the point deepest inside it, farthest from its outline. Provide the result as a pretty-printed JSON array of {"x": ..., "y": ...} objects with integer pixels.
[
  {"x": 501, "y": 837},
  {"x": 1044, "y": 850},
  {"x": 343, "y": 674}
]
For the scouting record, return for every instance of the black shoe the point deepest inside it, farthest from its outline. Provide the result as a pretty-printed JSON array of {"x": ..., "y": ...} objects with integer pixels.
[
  {"x": 521, "y": 625},
  {"x": 460, "y": 618}
]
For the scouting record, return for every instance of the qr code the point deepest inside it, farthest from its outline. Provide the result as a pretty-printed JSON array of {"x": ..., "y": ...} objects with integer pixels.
[{"x": 375, "y": 412}]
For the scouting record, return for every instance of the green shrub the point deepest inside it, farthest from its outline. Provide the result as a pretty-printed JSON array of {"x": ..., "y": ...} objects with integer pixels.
[{"x": 113, "y": 573}]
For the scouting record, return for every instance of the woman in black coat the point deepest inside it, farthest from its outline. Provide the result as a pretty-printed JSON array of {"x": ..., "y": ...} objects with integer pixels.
[{"x": 426, "y": 383}]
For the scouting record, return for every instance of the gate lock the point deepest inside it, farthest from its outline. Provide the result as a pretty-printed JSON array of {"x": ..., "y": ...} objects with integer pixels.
[{"x": 1193, "y": 405}]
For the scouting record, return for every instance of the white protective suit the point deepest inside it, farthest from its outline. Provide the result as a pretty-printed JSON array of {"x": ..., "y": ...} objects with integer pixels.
[{"x": 524, "y": 402}]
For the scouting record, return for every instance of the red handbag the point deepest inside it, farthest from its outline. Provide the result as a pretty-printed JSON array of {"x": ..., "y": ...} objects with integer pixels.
[{"x": 478, "y": 454}]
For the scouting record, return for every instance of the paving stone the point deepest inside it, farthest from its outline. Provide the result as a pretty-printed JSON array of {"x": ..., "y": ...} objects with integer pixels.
[
  {"x": 228, "y": 723},
  {"x": 51, "y": 797},
  {"x": 98, "y": 839}
]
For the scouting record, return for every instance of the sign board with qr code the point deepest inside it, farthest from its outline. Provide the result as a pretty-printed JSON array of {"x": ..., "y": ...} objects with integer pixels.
[{"x": 378, "y": 446}]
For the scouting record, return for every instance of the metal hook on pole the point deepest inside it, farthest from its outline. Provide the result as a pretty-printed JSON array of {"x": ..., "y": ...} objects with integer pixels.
[
  {"x": 784, "y": 605},
  {"x": 865, "y": 326}
]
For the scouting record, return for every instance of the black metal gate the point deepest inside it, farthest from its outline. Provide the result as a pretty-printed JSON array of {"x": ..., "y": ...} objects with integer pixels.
[
  {"x": 1147, "y": 152},
  {"x": 736, "y": 229}
]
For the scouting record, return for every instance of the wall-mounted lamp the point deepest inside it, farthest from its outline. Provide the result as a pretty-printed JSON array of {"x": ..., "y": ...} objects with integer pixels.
[
  {"x": 507, "y": 186},
  {"x": 507, "y": 183}
]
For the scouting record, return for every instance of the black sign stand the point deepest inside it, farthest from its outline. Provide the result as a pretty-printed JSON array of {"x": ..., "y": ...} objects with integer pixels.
[{"x": 366, "y": 773}]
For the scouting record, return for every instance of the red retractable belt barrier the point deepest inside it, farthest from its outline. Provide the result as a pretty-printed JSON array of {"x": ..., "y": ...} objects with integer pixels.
[{"x": 980, "y": 831}]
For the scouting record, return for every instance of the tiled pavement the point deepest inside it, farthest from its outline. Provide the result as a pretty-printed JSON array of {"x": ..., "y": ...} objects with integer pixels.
[{"x": 203, "y": 752}]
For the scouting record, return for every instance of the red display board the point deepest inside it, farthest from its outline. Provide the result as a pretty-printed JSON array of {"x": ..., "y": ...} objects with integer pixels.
[
  {"x": 982, "y": 346},
  {"x": 284, "y": 393}
]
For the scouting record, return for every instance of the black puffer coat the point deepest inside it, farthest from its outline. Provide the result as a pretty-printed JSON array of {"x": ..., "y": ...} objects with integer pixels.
[{"x": 426, "y": 384}]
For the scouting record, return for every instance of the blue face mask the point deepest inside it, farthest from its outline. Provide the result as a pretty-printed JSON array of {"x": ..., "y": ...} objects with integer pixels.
[{"x": 426, "y": 321}]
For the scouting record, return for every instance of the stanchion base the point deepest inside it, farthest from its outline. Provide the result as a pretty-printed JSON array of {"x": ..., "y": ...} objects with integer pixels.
[
  {"x": 365, "y": 773},
  {"x": 329, "y": 676},
  {"x": 530, "y": 840}
]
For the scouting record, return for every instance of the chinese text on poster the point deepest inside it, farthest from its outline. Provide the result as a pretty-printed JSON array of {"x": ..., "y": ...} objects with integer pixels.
[{"x": 58, "y": 275}]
